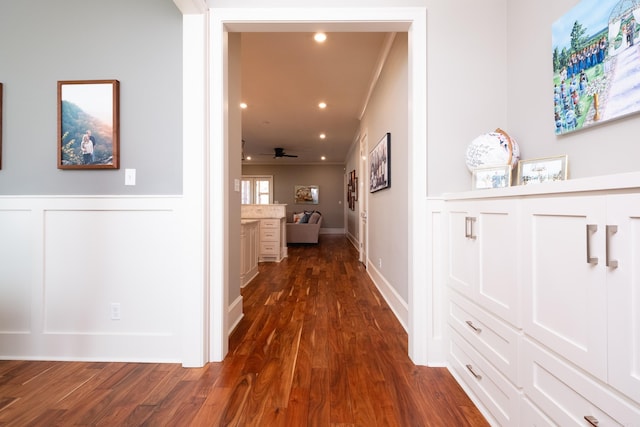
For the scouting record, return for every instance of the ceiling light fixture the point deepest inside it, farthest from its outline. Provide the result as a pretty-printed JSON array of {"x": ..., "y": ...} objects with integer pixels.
[
  {"x": 243, "y": 105},
  {"x": 323, "y": 136},
  {"x": 322, "y": 105},
  {"x": 323, "y": 158},
  {"x": 320, "y": 37}
]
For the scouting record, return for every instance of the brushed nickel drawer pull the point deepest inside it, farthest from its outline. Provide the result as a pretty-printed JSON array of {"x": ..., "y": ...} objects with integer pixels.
[
  {"x": 591, "y": 420},
  {"x": 611, "y": 229},
  {"x": 591, "y": 228},
  {"x": 470, "y": 368},
  {"x": 472, "y": 326}
]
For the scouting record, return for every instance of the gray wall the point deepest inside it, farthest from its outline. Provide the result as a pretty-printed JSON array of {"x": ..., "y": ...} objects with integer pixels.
[
  {"x": 387, "y": 214},
  {"x": 331, "y": 182},
  {"x": 136, "y": 42}
]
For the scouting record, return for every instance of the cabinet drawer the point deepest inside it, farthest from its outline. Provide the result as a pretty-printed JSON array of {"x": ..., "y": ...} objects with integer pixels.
[
  {"x": 269, "y": 235},
  {"x": 567, "y": 395},
  {"x": 270, "y": 223},
  {"x": 492, "y": 338},
  {"x": 531, "y": 416},
  {"x": 498, "y": 396},
  {"x": 269, "y": 248}
]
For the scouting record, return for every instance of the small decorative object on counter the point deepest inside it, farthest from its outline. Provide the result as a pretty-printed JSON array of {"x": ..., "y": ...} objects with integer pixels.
[{"x": 492, "y": 149}]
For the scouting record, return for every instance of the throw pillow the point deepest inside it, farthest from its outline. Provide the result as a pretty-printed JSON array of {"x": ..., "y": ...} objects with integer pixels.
[
  {"x": 314, "y": 218},
  {"x": 305, "y": 218},
  {"x": 297, "y": 217}
]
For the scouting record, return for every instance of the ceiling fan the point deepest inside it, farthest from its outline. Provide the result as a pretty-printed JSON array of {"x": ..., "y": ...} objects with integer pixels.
[{"x": 279, "y": 152}]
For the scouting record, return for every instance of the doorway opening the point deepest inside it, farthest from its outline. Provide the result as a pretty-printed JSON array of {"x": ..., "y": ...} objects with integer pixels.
[{"x": 222, "y": 168}]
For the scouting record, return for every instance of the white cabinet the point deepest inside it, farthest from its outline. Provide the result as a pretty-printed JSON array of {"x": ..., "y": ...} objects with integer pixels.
[
  {"x": 272, "y": 230},
  {"x": 249, "y": 246},
  {"x": 272, "y": 240},
  {"x": 483, "y": 261},
  {"x": 581, "y": 276},
  {"x": 565, "y": 294},
  {"x": 623, "y": 295},
  {"x": 483, "y": 300},
  {"x": 544, "y": 301},
  {"x": 568, "y": 396}
]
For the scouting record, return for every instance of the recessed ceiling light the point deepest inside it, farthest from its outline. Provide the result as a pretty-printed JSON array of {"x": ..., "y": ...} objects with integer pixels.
[
  {"x": 323, "y": 136},
  {"x": 243, "y": 105},
  {"x": 248, "y": 157},
  {"x": 322, "y": 105},
  {"x": 323, "y": 158},
  {"x": 320, "y": 37}
]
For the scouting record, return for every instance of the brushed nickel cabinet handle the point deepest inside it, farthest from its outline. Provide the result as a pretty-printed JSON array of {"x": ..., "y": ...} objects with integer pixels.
[
  {"x": 470, "y": 368},
  {"x": 468, "y": 227},
  {"x": 472, "y": 326},
  {"x": 591, "y": 420},
  {"x": 611, "y": 229},
  {"x": 591, "y": 228}
]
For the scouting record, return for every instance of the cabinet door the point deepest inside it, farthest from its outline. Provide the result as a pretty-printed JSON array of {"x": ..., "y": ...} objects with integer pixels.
[
  {"x": 463, "y": 251},
  {"x": 483, "y": 254},
  {"x": 623, "y": 284},
  {"x": 564, "y": 295},
  {"x": 498, "y": 240}
]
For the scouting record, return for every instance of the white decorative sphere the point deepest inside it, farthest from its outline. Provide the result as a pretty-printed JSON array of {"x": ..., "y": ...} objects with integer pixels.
[{"x": 492, "y": 149}]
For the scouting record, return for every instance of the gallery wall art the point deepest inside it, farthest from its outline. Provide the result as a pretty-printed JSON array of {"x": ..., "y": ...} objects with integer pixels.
[{"x": 596, "y": 63}]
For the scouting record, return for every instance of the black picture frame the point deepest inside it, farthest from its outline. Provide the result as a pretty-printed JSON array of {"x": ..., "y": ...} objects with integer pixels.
[{"x": 380, "y": 164}]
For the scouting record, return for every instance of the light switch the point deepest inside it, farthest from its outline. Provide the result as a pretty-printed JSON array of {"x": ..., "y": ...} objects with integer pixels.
[
  {"x": 129, "y": 177},
  {"x": 236, "y": 184}
]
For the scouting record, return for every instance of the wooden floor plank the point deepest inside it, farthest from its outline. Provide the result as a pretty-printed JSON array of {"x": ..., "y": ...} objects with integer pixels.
[{"x": 317, "y": 346}]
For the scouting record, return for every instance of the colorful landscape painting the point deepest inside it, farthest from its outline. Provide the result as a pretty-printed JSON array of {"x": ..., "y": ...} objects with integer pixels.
[{"x": 596, "y": 63}]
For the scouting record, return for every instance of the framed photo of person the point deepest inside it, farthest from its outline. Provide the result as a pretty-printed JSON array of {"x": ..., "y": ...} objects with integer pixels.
[{"x": 88, "y": 124}]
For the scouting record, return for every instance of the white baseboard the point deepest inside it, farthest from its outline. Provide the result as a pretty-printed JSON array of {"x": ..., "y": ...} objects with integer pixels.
[
  {"x": 331, "y": 231},
  {"x": 235, "y": 313},
  {"x": 354, "y": 241},
  {"x": 399, "y": 307}
]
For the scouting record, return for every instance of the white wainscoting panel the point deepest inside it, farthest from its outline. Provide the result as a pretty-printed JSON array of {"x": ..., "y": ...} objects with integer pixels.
[
  {"x": 70, "y": 261},
  {"x": 16, "y": 258}
]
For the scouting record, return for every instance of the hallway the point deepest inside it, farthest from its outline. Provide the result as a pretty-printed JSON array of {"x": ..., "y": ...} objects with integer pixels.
[{"x": 318, "y": 346}]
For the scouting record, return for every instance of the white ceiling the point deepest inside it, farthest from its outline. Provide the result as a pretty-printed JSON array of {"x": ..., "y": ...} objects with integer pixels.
[{"x": 286, "y": 75}]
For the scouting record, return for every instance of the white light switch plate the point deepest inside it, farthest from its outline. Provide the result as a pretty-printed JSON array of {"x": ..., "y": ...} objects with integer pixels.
[{"x": 129, "y": 177}]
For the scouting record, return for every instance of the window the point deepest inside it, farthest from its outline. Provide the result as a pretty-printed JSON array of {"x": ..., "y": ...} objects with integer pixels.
[{"x": 257, "y": 190}]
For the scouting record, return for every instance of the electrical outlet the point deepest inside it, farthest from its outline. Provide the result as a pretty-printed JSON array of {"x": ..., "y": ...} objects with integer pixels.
[{"x": 115, "y": 311}]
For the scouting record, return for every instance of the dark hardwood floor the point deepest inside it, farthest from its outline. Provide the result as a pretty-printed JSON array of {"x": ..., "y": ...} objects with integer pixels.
[{"x": 318, "y": 346}]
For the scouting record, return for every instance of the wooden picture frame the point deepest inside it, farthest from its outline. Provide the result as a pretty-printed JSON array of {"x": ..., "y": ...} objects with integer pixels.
[
  {"x": 491, "y": 177},
  {"x": 545, "y": 169},
  {"x": 306, "y": 194},
  {"x": 380, "y": 164},
  {"x": 88, "y": 124}
]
